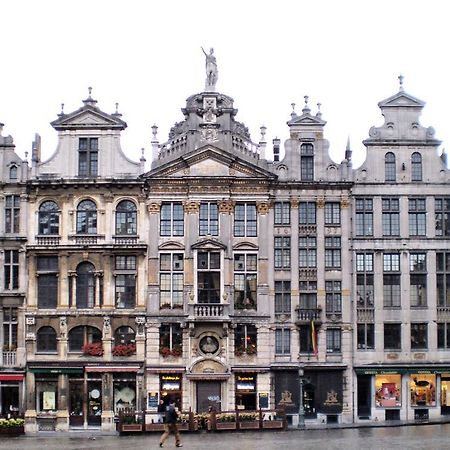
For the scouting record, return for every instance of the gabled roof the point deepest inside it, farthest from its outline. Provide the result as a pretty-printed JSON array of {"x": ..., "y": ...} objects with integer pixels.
[
  {"x": 306, "y": 119},
  {"x": 401, "y": 99}
]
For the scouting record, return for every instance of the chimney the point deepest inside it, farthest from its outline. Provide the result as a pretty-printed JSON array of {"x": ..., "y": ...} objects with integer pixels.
[
  {"x": 36, "y": 150},
  {"x": 276, "y": 149}
]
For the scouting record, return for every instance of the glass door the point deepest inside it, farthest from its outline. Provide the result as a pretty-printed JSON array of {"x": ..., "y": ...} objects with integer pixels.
[
  {"x": 76, "y": 391},
  {"x": 94, "y": 409}
]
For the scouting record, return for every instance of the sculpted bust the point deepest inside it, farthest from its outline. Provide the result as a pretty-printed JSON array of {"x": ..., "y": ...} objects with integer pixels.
[{"x": 209, "y": 344}]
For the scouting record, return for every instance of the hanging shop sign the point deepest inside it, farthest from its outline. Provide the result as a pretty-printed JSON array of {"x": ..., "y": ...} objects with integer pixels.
[{"x": 246, "y": 383}]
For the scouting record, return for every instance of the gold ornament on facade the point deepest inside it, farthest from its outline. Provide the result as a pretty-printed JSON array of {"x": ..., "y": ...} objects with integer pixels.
[
  {"x": 344, "y": 203},
  {"x": 226, "y": 206},
  {"x": 153, "y": 208},
  {"x": 321, "y": 202},
  {"x": 191, "y": 207},
  {"x": 294, "y": 203},
  {"x": 263, "y": 207}
]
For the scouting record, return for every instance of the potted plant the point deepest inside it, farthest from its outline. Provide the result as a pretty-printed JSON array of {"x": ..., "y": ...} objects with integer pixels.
[
  {"x": 12, "y": 427},
  {"x": 129, "y": 423},
  {"x": 226, "y": 421},
  {"x": 124, "y": 349},
  {"x": 93, "y": 349},
  {"x": 248, "y": 421}
]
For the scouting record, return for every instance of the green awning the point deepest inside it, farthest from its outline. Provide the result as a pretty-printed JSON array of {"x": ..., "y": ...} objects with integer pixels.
[{"x": 57, "y": 370}]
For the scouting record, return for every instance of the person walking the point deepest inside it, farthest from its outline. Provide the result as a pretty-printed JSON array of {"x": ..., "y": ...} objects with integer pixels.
[{"x": 171, "y": 425}]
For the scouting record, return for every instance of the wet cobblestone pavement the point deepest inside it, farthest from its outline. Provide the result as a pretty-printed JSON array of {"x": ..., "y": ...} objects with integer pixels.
[{"x": 431, "y": 437}]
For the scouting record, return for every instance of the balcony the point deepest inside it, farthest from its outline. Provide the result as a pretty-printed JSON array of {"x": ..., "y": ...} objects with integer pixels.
[
  {"x": 87, "y": 239},
  {"x": 307, "y": 230},
  {"x": 365, "y": 314},
  {"x": 209, "y": 311},
  {"x": 48, "y": 240},
  {"x": 125, "y": 240},
  {"x": 443, "y": 313},
  {"x": 9, "y": 359},
  {"x": 307, "y": 315}
]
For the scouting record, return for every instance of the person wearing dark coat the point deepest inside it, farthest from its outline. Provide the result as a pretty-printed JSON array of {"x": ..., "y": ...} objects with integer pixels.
[{"x": 171, "y": 426}]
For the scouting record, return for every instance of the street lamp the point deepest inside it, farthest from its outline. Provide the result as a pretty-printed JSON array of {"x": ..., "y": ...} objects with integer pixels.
[{"x": 301, "y": 408}]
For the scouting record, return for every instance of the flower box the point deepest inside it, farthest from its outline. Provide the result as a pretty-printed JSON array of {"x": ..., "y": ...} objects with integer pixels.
[
  {"x": 183, "y": 426},
  {"x": 154, "y": 427},
  {"x": 130, "y": 427},
  {"x": 249, "y": 425},
  {"x": 12, "y": 431},
  {"x": 270, "y": 424},
  {"x": 225, "y": 425}
]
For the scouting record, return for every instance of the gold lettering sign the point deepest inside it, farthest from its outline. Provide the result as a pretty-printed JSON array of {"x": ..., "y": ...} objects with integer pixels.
[{"x": 332, "y": 399}]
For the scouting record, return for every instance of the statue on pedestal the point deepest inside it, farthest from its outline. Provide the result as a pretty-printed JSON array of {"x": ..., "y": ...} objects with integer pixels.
[{"x": 211, "y": 70}]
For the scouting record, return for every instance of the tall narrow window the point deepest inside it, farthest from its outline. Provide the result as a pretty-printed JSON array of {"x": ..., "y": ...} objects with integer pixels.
[
  {"x": 307, "y": 252},
  {"x": 389, "y": 167},
  {"x": 245, "y": 339},
  {"x": 209, "y": 219},
  {"x": 391, "y": 280},
  {"x": 85, "y": 285},
  {"x": 417, "y": 217},
  {"x": 46, "y": 340},
  {"x": 418, "y": 279},
  {"x": 170, "y": 339},
  {"x": 282, "y": 341},
  {"x": 9, "y": 329},
  {"x": 419, "y": 336},
  {"x": 13, "y": 173},
  {"x": 332, "y": 253},
  {"x": 12, "y": 213},
  {"x": 208, "y": 277},
  {"x": 126, "y": 218},
  {"x": 172, "y": 219},
  {"x": 282, "y": 252},
  {"x": 442, "y": 216},
  {"x": 332, "y": 213},
  {"x": 443, "y": 279},
  {"x": 171, "y": 278},
  {"x": 443, "y": 335},
  {"x": 245, "y": 220},
  {"x": 282, "y": 213},
  {"x": 245, "y": 283},
  {"x": 391, "y": 216},
  {"x": 365, "y": 336},
  {"x": 11, "y": 270},
  {"x": 125, "y": 279},
  {"x": 334, "y": 340},
  {"x": 416, "y": 167},
  {"x": 47, "y": 281},
  {"x": 307, "y": 213},
  {"x": 282, "y": 298},
  {"x": 307, "y": 162},
  {"x": 364, "y": 280},
  {"x": 364, "y": 217},
  {"x": 88, "y": 157},
  {"x": 48, "y": 218},
  {"x": 333, "y": 298},
  {"x": 86, "y": 217},
  {"x": 392, "y": 336}
]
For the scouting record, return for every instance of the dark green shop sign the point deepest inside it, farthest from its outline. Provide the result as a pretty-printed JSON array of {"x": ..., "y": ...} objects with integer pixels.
[{"x": 57, "y": 370}]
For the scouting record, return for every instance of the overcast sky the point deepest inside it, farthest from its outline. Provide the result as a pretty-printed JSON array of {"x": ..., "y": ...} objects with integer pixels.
[{"x": 146, "y": 56}]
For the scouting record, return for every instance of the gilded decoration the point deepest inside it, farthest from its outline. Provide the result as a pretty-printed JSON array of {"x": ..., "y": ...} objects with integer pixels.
[
  {"x": 344, "y": 203},
  {"x": 263, "y": 207},
  {"x": 294, "y": 203},
  {"x": 153, "y": 208},
  {"x": 191, "y": 207},
  {"x": 321, "y": 202},
  {"x": 226, "y": 206}
]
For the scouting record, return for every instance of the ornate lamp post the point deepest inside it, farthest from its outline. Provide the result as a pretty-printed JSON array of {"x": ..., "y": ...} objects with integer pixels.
[{"x": 301, "y": 408}]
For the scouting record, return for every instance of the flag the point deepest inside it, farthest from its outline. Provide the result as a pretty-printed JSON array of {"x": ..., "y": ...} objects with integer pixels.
[{"x": 313, "y": 338}]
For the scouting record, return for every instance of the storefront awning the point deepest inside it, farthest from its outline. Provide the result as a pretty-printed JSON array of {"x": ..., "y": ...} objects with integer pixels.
[
  {"x": 166, "y": 369},
  {"x": 401, "y": 370},
  {"x": 56, "y": 370},
  {"x": 112, "y": 369},
  {"x": 11, "y": 376}
]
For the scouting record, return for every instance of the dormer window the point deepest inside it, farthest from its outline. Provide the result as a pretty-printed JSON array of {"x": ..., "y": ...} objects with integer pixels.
[
  {"x": 307, "y": 162},
  {"x": 416, "y": 167},
  {"x": 88, "y": 157},
  {"x": 13, "y": 173},
  {"x": 389, "y": 167}
]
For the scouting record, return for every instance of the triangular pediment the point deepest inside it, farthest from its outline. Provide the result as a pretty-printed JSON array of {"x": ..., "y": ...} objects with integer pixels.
[
  {"x": 306, "y": 119},
  {"x": 401, "y": 99},
  {"x": 209, "y": 162},
  {"x": 88, "y": 117},
  {"x": 210, "y": 244}
]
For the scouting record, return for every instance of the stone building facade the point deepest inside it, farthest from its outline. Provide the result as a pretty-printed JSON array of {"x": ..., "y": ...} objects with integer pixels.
[{"x": 221, "y": 278}]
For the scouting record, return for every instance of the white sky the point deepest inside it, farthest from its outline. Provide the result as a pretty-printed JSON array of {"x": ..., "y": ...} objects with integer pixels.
[{"x": 146, "y": 56}]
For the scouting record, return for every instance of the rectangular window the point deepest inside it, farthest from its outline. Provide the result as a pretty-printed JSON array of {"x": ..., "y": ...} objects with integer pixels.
[
  {"x": 282, "y": 341},
  {"x": 11, "y": 270},
  {"x": 172, "y": 219},
  {"x": 208, "y": 277},
  {"x": 170, "y": 339},
  {"x": 88, "y": 157},
  {"x": 47, "y": 281},
  {"x": 391, "y": 280},
  {"x": 333, "y": 298},
  {"x": 171, "y": 280},
  {"x": 392, "y": 336},
  {"x": 365, "y": 336},
  {"x": 307, "y": 213},
  {"x": 12, "y": 213},
  {"x": 125, "y": 281},
  {"x": 306, "y": 339},
  {"x": 332, "y": 253},
  {"x": 9, "y": 329},
  {"x": 245, "y": 340},
  {"x": 334, "y": 340},
  {"x": 308, "y": 302},
  {"x": 419, "y": 336},
  {"x": 209, "y": 219},
  {"x": 332, "y": 213},
  {"x": 307, "y": 252},
  {"x": 282, "y": 298},
  {"x": 417, "y": 217},
  {"x": 443, "y": 278},
  {"x": 282, "y": 252},
  {"x": 282, "y": 213},
  {"x": 364, "y": 217},
  {"x": 245, "y": 219},
  {"x": 307, "y": 162},
  {"x": 442, "y": 216},
  {"x": 391, "y": 216},
  {"x": 245, "y": 280},
  {"x": 364, "y": 280},
  {"x": 418, "y": 279},
  {"x": 443, "y": 335}
]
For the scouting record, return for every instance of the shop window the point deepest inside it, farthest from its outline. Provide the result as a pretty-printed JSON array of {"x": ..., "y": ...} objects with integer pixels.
[
  {"x": 170, "y": 339},
  {"x": 282, "y": 211},
  {"x": 282, "y": 298},
  {"x": 419, "y": 336},
  {"x": 445, "y": 393},
  {"x": 47, "y": 281},
  {"x": 171, "y": 280},
  {"x": 387, "y": 391},
  {"x": 170, "y": 388},
  {"x": 46, "y": 395},
  {"x": 208, "y": 277},
  {"x": 124, "y": 392},
  {"x": 82, "y": 335},
  {"x": 246, "y": 391},
  {"x": 442, "y": 216},
  {"x": 87, "y": 217},
  {"x": 245, "y": 340},
  {"x": 172, "y": 219},
  {"x": 126, "y": 218},
  {"x": 392, "y": 336},
  {"x": 423, "y": 390},
  {"x": 46, "y": 340},
  {"x": 125, "y": 281},
  {"x": 245, "y": 220},
  {"x": 12, "y": 213},
  {"x": 208, "y": 219},
  {"x": 364, "y": 280},
  {"x": 48, "y": 218}
]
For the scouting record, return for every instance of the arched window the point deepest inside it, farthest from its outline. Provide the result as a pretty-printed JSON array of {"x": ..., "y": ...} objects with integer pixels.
[
  {"x": 46, "y": 340},
  {"x": 48, "y": 218},
  {"x": 124, "y": 336},
  {"x": 13, "y": 173},
  {"x": 307, "y": 162},
  {"x": 416, "y": 167},
  {"x": 126, "y": 218},
  {"x": 87, "y": 217},
  {"x": 389, "y": 167},
  {"x": 85, "y": 285},
  {"x": 82, "y": 335}
]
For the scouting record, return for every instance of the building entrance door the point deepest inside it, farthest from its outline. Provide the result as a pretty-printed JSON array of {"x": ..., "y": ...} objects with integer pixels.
[
  {"x": 208, "y": 395},
  {"x": 364, "y": 395},
  {"x": 94, "y": 409},
  {"x": 76, "y": 394}
]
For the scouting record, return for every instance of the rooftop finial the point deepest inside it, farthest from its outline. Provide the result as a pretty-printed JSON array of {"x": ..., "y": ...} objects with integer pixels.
[
  {"x": 90, "y": 91},
  {"x": 263, "y": 133},
  {"x": 293, "y": 113},
  {"x": 142, "y": 152},
  {"x": 306, "y": 109},
  {"x": 348, "y": 150},
  {"x": 117, "y": 108},
  {"x": 62, "y": 109},
  {"x": 155, "y": 132},
  {"x": 319, "y": 112},
  {"x": 400, "y": 80}
]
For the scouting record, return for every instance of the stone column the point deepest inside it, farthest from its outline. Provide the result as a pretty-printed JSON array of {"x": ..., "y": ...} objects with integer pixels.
[
  {"x": 30, "y": 404},
  {"x": 107, "y": 339},
  {"x": 62, "y": 415},
  {"x": 72, "y": 276},
  {"x": 98, "y": 275},
  {"x": 63, "y": 291},
  {"x": 107, "y": 402}
]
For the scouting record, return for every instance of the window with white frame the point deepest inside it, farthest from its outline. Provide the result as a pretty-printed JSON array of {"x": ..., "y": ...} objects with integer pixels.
[
  {"x": 307, "y": 213},
  {"x": 88, "y": 157},
  {"x": 171, "y": 280},
  {"x": 391, "y": 216},
  {"x": 364, "y": 280},
  {"x": 307, "y": 162},
  {"x": 332, "y": 213},
  {"x": 10, "y": 324},
  {"x": 48, "y": 218},
  {"x": 245, "y": 280},
  {"x": 282, "y": 297},
  {"x": 333, "y": 252},
  {"x": 12, "y": 213},
  {"x": 334, "y": 340},
  {"x": 333, "y": 298},
  {"x": 282, "y": 250},
  {"x": 364, "y": 217},
  {"x": 125, "y": 276},
  {"x": 126, "y": 218},
  {"x": 417, "y": 217},
  {"x": 282, "y": 341},
  {"x": 208, "y": 277},
  {"x": 208, "y": 219},
  {"x": 442, "y": 216},
  {"x": 11, "y": 270},
  {"x": 391, "y": 280},
  {"x": 245, "y": 220},
  {"x": 172, "y": 219},
  {"x": 307, "y": 252},
  {"x": 418, "y": 279},
  {"x": 282, "y": 211}
]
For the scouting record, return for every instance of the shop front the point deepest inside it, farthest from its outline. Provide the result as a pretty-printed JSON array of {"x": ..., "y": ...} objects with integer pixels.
[
  {"x": 245, "y": 389},
  {"x": 11, "y": 394},
  {"x": 170, "y": 388}
]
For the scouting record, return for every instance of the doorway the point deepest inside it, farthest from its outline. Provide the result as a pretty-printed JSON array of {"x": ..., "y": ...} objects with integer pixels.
[
  {"x": 208, "y": 396},
  {"x": 364, "y": 396},
  {"x": 94, "y": 410}
]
